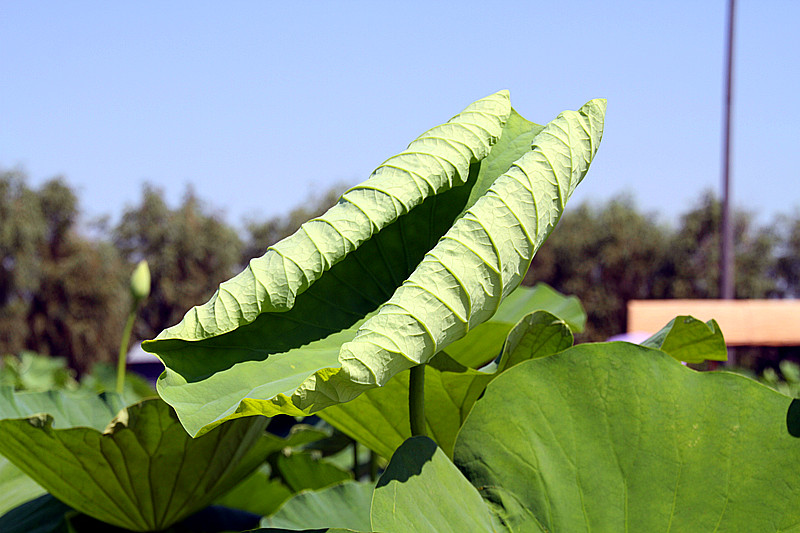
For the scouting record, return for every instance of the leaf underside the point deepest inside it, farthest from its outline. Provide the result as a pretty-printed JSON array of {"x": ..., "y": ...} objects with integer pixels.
[
  {"x": 142, "y": 472},
  {"x": 410, "y": 261}
]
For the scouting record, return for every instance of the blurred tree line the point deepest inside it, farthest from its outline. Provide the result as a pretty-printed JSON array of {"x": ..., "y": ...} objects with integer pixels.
[{"x": 64, "y": 293}]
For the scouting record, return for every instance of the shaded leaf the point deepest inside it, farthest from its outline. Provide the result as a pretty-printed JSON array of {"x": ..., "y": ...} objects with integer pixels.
[
  {"x": 422, "y": 491},
  {"x": 257, "y": 494},
  {"x": 212, "y": 519},
  {"x": 143, "y": 472},
  {"x": 346, "y": 505},
  {"x": 409, "y": 243},
  {"x": 44, "y": 514},
  {"x": 16, "y": 487},
  {"x": 303, "y": 471},
  {"x": 72, "y": 408}
]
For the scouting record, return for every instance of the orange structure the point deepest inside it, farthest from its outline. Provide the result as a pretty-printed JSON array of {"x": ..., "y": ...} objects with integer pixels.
[{"x": 743, "y": 322}]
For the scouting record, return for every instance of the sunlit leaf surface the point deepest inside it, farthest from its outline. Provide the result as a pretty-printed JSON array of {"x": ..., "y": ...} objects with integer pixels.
[{"x": 411, "y": 260}]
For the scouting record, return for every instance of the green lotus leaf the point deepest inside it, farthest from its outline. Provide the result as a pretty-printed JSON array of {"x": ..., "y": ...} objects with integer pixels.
[
  {"x": 422, "y": 491},
  {"x": 141, "y": 471},
  {"x": 619, "y": 437},
  {"x": 485, "y": 342},
  {"x": 688, "y": 339},
  {"x": 304, "y": 471},
  {"x": 67, "y": 409},
  {"x": 378, "y": 420},
  {"x": 257, "y": 494},
  {"x": 16, "y": 487},
  {"x": 422, "y": 252},
  {"x": 326, "y": 530},
  {"x": 103, "y": 377},
  {"x": 71, "y": 409},
  {"x": 345, "y": 505},
  {"x": 35, "y": 372}
]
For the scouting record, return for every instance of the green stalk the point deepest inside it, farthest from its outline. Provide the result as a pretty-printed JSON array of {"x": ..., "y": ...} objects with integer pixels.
[
  {"x": 123, "y": 350},
  {"x": 355, "y": 459},
  {"x": 373, "y": 466},
  {"x": 416, "y": 401},
  {"x": 140, "y": 289}
]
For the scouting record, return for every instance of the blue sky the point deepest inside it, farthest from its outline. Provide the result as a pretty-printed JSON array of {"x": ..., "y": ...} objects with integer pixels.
[{"x": 259, "y": 104}]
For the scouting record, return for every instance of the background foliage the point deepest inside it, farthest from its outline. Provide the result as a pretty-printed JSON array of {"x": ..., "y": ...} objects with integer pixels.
[{"x": 63, "y": 287}]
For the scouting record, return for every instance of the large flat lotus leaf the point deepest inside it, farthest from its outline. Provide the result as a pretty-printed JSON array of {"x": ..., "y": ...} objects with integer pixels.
[
  {"x": 143, "y": 472},
  {"x": 344, "y": 505},
  {"x": 688, "y": 339},
  {"x": 422, "y": 491},
  {"x": 433, "y": 240},
  {"x": 379, "y": 418},
  {"x": 618, "y": 437}
]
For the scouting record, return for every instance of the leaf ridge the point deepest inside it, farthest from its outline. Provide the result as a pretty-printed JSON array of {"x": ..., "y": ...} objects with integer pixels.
[
  {"x": 463, "y": 277},
  {"x": 204, "y": 321},
  {"x": 546, "y": 142}
]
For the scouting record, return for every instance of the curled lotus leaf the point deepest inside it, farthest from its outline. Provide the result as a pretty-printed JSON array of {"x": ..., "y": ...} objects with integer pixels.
[{"x": 404, "y": 264}]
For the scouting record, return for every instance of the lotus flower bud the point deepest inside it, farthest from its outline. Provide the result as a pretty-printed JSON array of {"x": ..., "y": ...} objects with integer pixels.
[{"x": 140, "y": 282}]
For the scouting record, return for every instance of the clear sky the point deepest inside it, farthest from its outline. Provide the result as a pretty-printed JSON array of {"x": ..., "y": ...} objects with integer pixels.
[{"x": 259, "y": 104}]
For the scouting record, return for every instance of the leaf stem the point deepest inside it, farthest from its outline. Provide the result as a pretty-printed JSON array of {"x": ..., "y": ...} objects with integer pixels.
[
  {"x": 373, "y": 466},
  {"x": 416, "y": 400},
  {"x": 355, "y": 459},
  {"x": 123, "y": 350}
]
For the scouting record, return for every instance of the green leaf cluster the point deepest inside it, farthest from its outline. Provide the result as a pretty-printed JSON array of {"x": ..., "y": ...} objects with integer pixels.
[
  {"x": 402, "y": 266},
  {"x": 452, "y": 383},
  {"x": 416, "y": 269},
  {"x": 607, "y": 437},
  {"x": 615, "y": 437},
  {"x": 132, "y": 467}
]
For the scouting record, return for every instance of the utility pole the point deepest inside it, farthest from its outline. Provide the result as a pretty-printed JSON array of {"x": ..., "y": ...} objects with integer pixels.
[
  {"x": 726, "y": 279},
  {"x": 726, "y": 267}
]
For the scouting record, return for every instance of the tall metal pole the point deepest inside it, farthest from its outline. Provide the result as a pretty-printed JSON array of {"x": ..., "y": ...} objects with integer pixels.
[{"x": 726, "y": 280}]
